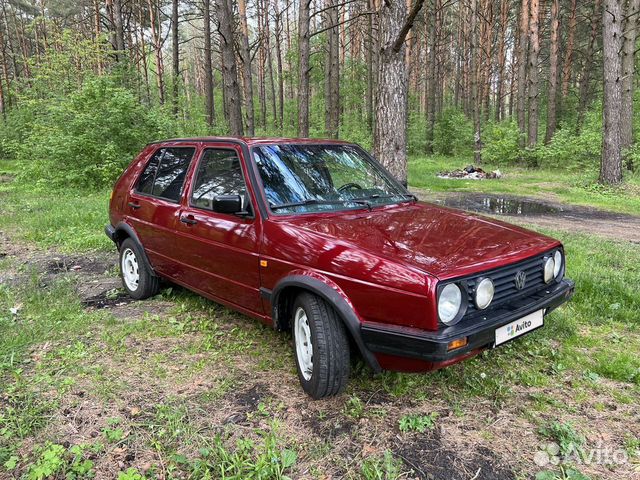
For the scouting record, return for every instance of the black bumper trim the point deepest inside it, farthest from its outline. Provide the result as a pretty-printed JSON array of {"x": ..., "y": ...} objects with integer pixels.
[
  {"x": 432, "y": 346},
  {"x": 110, "y": 231}
]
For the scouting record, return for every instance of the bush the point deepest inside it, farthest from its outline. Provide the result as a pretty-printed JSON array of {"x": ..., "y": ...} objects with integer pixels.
[
  {"x": 570, "y": 150},
  {"x": 453, "y": 133},
  {"x": 501, "y": 142},
  {"x": 87, "y": 137}
]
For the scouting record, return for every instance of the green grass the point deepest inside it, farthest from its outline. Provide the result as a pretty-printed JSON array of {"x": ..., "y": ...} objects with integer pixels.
[{"x": 574, "y": 187}]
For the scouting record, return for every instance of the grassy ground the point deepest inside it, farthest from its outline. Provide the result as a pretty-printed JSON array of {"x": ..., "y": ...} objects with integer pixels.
[
  {"x": 574, "y": 187},
  {"x": 178, "y": 387}
]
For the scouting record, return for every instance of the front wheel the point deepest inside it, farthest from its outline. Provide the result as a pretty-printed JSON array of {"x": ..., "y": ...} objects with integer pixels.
[
  {"x": 137, "y": 279},
  {"x": 322, "y": 347}
]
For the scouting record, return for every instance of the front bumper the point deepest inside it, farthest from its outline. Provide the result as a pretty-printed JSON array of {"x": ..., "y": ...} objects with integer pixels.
[
  {"x": 110, "y": 232},
  {"x": 433, "y": 346}
]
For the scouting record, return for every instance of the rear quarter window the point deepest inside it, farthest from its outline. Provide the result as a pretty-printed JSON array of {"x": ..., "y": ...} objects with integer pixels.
[{"x": 165, "y": 173}]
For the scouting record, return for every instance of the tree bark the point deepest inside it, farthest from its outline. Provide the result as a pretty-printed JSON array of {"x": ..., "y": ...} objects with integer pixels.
[
  {"x": 209, "y": 104},
  {"x": 390, "y": 128},
  {"x": 156, "y": 26},
  {"x": 534, "y": 50},
  {"x": 304, "y": 69},
  {"x": 568, "y": 56},
  {"x": 431, "y": 75},
  {"x": 611, "y": 162},
  {"x": 553, "y": 72},
  {"x": 474, "y": 73},
  {"x": 585, "y": 77},
  {"x": 229, "y": 72},
  {"x": 502, "y": 34},
  {"x": 628, "y": 72},
  {"x": 175, "y": 51},
  {"x": 522, "y": 68},
  {"x": 332, "y": 70},
  {"x": 278, "y": 34},
  {"x": 245, "y": 59}
]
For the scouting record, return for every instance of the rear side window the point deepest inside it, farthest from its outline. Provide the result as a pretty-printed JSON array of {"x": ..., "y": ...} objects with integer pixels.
[
  {"x": 165, "y": 173},
  {"x": 219, "y": 173}
]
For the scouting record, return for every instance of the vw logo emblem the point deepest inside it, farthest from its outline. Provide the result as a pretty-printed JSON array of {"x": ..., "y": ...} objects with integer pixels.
[{"x": 520, "y": 279}]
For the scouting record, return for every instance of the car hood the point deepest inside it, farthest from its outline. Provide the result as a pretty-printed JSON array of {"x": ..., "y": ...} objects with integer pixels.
[{"x": 440, "y": 241}]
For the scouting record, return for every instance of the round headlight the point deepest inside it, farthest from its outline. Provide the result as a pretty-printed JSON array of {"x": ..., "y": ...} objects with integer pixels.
[
  {"x": 484, "y": 293},
  {"x": 449, "y": 303},
  {"x": 557, "y": 258},
  {"x": 549, "y": 267}
]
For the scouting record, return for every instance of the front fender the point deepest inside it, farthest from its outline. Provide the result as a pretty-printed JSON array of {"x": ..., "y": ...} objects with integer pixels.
[{"x": 326, "y": 289}]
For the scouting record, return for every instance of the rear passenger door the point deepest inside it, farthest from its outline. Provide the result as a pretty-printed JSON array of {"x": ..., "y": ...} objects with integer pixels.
[
  {"x": 154, "y": 203},
  {"x": 220, "y": 251}
]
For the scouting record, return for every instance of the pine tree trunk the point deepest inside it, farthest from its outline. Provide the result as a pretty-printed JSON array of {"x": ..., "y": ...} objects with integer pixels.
[
  {"x": 303, "y": 52},
  {"x": 628, "y": 72},
  {"x": 229, "y": 72},
  {"x": 175, "y": 51},
  {"x": 553, "y": 72},
  {"x": 431, "y": 77},
  {"x": 209, "y": 104},
  {"x": 587, "y": 67},
  {"x": 568, "y": 56},
  {"x": 390, "y": 127},
  {"x": 156, "y": 34},
  {"x": 534, "y": 50},
  {"x": 502, "y": 33},
  {"x": 474, "y": 73},
  {"x": 272, "y": 83},
  {"x": 611, "y": 162},
  {"x": 522, "y": 68},
  {"x": 278, "y": 34},
  {"x": 332, "y": 73},
  {"x": 245, "y": 59}
]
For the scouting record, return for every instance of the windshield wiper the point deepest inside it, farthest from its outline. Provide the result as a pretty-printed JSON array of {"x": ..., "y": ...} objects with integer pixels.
[
  {"x": 410, "y": 196},
  {"x": 316, "y": 201}
]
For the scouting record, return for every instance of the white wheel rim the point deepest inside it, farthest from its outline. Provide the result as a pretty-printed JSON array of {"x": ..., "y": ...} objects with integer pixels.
[
  {"x": 129, "y": 266},
  {"x": 304, "y": 348}
]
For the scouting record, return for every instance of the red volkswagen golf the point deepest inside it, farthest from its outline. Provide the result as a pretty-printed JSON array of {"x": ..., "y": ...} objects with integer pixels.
[{"x": 317, "y": 238}]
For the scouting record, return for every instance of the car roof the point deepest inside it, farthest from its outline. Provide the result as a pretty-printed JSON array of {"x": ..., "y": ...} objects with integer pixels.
[{"x": 249, "y": 141}]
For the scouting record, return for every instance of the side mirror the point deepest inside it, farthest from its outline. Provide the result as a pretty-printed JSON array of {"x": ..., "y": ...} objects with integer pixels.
[{"x": 231, "y": 204}]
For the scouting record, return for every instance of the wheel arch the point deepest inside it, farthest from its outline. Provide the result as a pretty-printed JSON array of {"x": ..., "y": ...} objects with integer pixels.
[
  {"x": 122, "y": 232},
  {"x": 287, "y": 289}
]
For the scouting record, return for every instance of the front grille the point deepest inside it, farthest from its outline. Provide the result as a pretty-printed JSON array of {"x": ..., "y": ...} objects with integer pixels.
[{"x": 504, "y": 282}]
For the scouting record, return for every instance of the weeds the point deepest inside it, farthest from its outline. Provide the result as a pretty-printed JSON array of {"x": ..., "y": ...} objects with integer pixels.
[
  {"x": 381, "y": 468},
  {"x": 568, "y": 439},
  {"x": 418, "y": 423}
]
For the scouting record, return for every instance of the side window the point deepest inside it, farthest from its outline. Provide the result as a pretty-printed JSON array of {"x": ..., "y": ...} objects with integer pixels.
[
  {"x": 165, "y": 173},
  {"x": 145, "y": 183},
  {"x": 171, "y": 173},
  {"x": 219, "y": 173}
]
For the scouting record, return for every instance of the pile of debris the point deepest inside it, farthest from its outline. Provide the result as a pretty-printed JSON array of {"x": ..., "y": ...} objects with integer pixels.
[{"x": 470, "y": 173}]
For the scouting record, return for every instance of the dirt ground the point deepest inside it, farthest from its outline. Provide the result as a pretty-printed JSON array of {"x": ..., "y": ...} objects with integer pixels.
[{"x": 237, "y": 391}]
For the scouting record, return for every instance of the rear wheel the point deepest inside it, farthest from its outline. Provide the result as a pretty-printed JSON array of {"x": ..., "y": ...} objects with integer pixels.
[
  {"x": 321, "y": 347},
  {"x": 138, "y": 280}
]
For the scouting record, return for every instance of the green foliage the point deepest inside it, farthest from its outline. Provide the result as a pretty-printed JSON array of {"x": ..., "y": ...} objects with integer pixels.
[
  {"x": 501, "y": 143},
  {"x": 571, "y": 150},
  {"x": 418, "y": 423},
  {"x": 57, "y": 461},
  {"x": 565, "y": 473},
  {"x": 565, "y": 435},
  {"x": 86, "y": 138},
  {"x": 385, "y": 468},
  {"x": 354, "y": 407},
  {"x": 453, "y": 133},
  {"x": 131, "y": 474}
]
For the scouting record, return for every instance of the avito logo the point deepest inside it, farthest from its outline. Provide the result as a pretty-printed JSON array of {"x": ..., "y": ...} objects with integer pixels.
[{"x": 520, "y": 327}]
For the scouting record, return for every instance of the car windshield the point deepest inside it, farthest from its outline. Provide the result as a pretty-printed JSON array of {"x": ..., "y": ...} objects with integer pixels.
[{"x": 319, "y": 178}]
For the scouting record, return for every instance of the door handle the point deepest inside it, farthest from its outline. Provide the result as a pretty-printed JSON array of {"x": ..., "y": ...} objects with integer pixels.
[
  {"x": 134, "y": 205},
  {"x": 188, "y": 220}
]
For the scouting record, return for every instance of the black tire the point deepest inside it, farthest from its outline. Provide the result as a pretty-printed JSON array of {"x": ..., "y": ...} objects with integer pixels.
[
  {"x": 148, "y": 284},
  {"x": 330, "y": 355}
]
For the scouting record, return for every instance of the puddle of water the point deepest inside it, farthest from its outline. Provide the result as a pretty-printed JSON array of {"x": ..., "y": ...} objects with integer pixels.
[{"x": 497, "y": 205}]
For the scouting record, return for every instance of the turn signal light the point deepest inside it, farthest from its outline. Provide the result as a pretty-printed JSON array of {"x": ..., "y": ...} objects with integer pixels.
[{"x": 458, "y": 343}]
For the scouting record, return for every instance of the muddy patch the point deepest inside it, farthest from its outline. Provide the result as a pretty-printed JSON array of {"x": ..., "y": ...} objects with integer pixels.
[
  {"x": 108, "y": 299},
  {"x": 542, "y": 213},
  {"x": 431, "y": 459}
]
